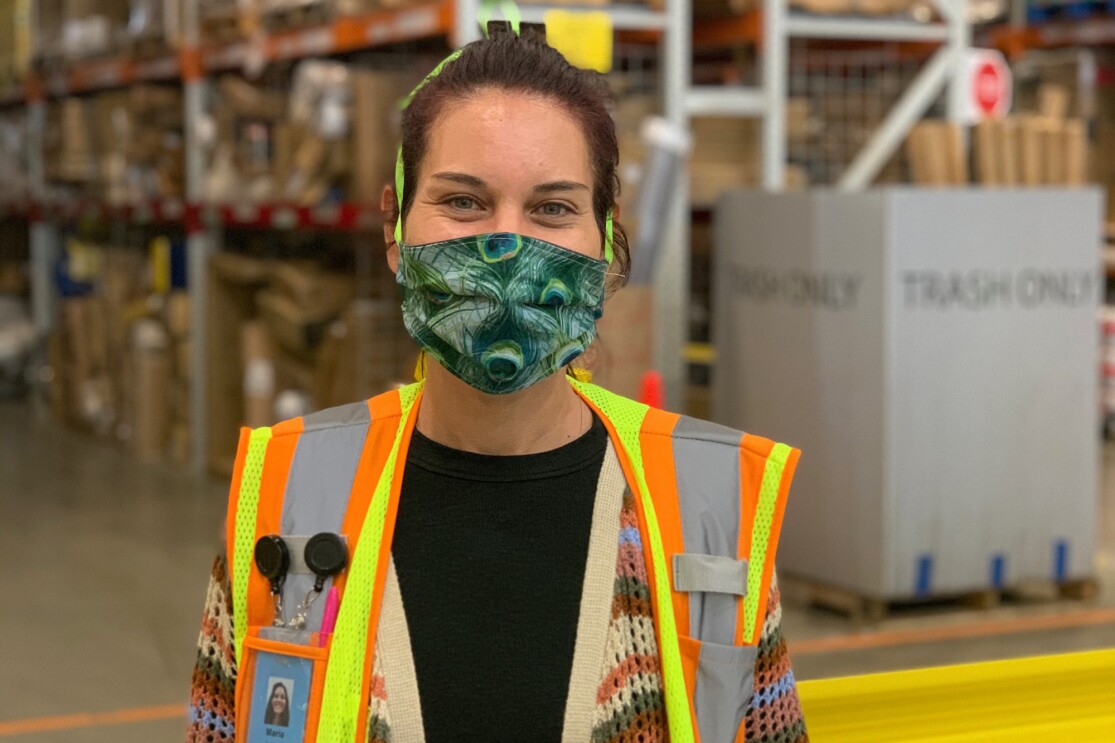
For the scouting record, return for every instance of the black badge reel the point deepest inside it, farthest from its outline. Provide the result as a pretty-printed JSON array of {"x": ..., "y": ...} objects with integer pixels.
[
  {"x": 273, "y": 560},
  {"x": 326, "y": 555}
]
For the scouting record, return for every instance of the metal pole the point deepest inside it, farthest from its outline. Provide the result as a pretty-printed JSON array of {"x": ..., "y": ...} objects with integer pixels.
[
  {"x": 44, "y": 241},
  {"x": 43, "y": 236},
  {"x": 199, "y": 246},
  {"x": 776, "y": 49},
  {"x": 671, "y": 275},
  {"x": 959, "y": 41},
  {"x": 891, "y": 133}
]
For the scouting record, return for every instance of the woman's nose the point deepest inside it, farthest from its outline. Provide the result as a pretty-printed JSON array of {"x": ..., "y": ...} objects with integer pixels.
[{"x": 508, "y": 219}]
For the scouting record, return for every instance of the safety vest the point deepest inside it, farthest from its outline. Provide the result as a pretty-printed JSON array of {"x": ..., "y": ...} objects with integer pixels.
[{"x": 710, "y": 502}]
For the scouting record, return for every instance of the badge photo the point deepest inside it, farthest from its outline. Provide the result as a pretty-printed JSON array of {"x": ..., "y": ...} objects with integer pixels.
[{"x": 280, "y": 699}]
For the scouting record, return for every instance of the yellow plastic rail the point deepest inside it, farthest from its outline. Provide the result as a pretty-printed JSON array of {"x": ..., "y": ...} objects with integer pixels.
[{"x": 1052, "y": 698}]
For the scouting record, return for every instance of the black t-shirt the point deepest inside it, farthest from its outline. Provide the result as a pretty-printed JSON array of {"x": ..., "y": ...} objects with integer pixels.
[{"x": 490, "y": 552}]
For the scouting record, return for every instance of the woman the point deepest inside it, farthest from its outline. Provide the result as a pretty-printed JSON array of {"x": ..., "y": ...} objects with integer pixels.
[
  {"x": 532, "y": 558},
  {"x": 278, "y": 713}
]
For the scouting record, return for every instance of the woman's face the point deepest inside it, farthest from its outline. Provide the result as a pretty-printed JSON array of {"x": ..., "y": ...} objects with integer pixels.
[
  {"x": 278, "y": 700},
  {"x": 500, "y": 161}
]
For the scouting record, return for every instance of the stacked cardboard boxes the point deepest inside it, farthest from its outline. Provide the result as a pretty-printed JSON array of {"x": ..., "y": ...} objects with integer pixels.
[
  {"x": 120, "y": 356},
  {"x": 15, "y": 41},
  {"x": 77, "y": 29},
  {"x": 118, "y": 146},
  {"x": 140, "y": 143},
  {"x": 295, "y": 338},
  {"x": 1043, "y": 148},
  {"x": 1103, "y": 156},
  {"x": 333, "y": 138},
  {"x": 228, "y": 20}
]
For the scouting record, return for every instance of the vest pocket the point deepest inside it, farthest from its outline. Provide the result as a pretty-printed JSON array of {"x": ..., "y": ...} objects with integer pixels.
[
  {"x": 299, "y": 669},
  {"x": 724, "y": 677}
]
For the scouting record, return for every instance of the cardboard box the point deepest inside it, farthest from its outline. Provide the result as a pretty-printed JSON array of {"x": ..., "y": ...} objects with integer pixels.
[
  {"x": 183, "y": 359},
  {"x": 259, "y": 374},
  {"x": 178, "y": 317},
  {"x": 624, "y": 348},
  {"x": 985, "y": 145},
  {"x": 1009, "y": 153},
  {"x": 1103, "y": 151},
  {"x": 897, "y": 373},
  {"x": 232, "y": 283},
  {"x": 375, "y": 129},
  {"x": 926, "y": 150},
  {"x": 313, "y": 290},
  {"x": 725, "y": 155},
  {"x": 1075, "y": 145},
  {"x": 181, "y": 444},
  {"x": 1032, "y": 139},
  {"x": 1053, "y": 101},
  {"x": 292, "y": 328},
  {"x": 366, "y": 352},
  {"x": 152, "y": 421}
]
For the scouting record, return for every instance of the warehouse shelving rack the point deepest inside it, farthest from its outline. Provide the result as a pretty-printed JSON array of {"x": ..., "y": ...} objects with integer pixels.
[
  {"x": 772, "y": 27},
  {"x": 192, "y": 65}
]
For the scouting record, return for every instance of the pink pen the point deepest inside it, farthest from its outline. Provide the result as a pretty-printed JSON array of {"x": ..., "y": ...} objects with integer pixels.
[{"x": 329, "y": 616}]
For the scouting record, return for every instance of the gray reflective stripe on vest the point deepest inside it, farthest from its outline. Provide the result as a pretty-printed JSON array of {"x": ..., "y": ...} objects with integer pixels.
[
  {"x": 710, "y": 573},
  {"x": 707, "y": 466},
  {"x": 706, "y": 460},
  {"x": 318, "y": 488}
]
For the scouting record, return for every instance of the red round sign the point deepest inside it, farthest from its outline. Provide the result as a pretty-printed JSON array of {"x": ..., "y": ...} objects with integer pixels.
[{"x": 988, "y": 88}]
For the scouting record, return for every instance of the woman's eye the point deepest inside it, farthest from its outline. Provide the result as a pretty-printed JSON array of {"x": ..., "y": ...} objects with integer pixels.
[
  {"x": 554, "y": 209},
  {"x": 463, "y": 202}
]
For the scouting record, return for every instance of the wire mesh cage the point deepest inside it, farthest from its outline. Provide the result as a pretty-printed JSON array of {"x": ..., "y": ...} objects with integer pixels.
[{"x": 838, "y": 98}]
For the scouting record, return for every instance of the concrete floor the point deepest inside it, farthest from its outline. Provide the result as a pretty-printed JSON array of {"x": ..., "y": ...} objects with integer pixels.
[{"x": 106, "y": 562}]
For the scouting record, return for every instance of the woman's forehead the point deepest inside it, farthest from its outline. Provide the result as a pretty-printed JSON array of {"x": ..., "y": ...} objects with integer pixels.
[{"x": 508, "y": 140}]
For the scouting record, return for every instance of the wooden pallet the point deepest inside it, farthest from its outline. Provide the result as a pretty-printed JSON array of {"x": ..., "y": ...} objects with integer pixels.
[{"x": 870, "y": 610}]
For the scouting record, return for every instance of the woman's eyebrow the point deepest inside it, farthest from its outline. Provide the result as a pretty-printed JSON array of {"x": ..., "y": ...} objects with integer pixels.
[
  {"x": 555, "y": 186},
  {"x": 463, "y": 179}
]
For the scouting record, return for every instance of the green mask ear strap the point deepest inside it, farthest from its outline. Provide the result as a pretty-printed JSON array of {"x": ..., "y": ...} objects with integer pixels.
[
  {"x": 399, "y": 195},
  {"x": 609, "y": 239}
]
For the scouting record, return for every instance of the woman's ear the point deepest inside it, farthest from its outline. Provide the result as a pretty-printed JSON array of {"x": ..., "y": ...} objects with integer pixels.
[{"x": 390, "y": 208}]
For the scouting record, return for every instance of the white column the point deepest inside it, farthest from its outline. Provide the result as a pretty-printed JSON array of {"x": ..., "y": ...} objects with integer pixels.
[
  {"x": 776, "y": 50},
  {"x": 199, "y": 246},
  {"x": 671, "y": 275}
]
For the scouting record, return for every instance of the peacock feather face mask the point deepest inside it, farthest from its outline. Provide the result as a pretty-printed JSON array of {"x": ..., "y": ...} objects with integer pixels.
[{"x": 501, "y": 311}]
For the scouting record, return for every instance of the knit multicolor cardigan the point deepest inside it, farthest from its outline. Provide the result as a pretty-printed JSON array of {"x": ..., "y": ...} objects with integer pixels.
[{"x": 629, "y": 699}]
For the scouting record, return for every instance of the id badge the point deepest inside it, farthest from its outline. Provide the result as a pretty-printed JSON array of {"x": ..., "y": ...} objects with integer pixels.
[{"x": 280, "y": 698}]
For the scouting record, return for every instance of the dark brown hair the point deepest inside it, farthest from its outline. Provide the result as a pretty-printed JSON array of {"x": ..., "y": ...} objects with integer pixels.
[{"x": 523, "y": 63}]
